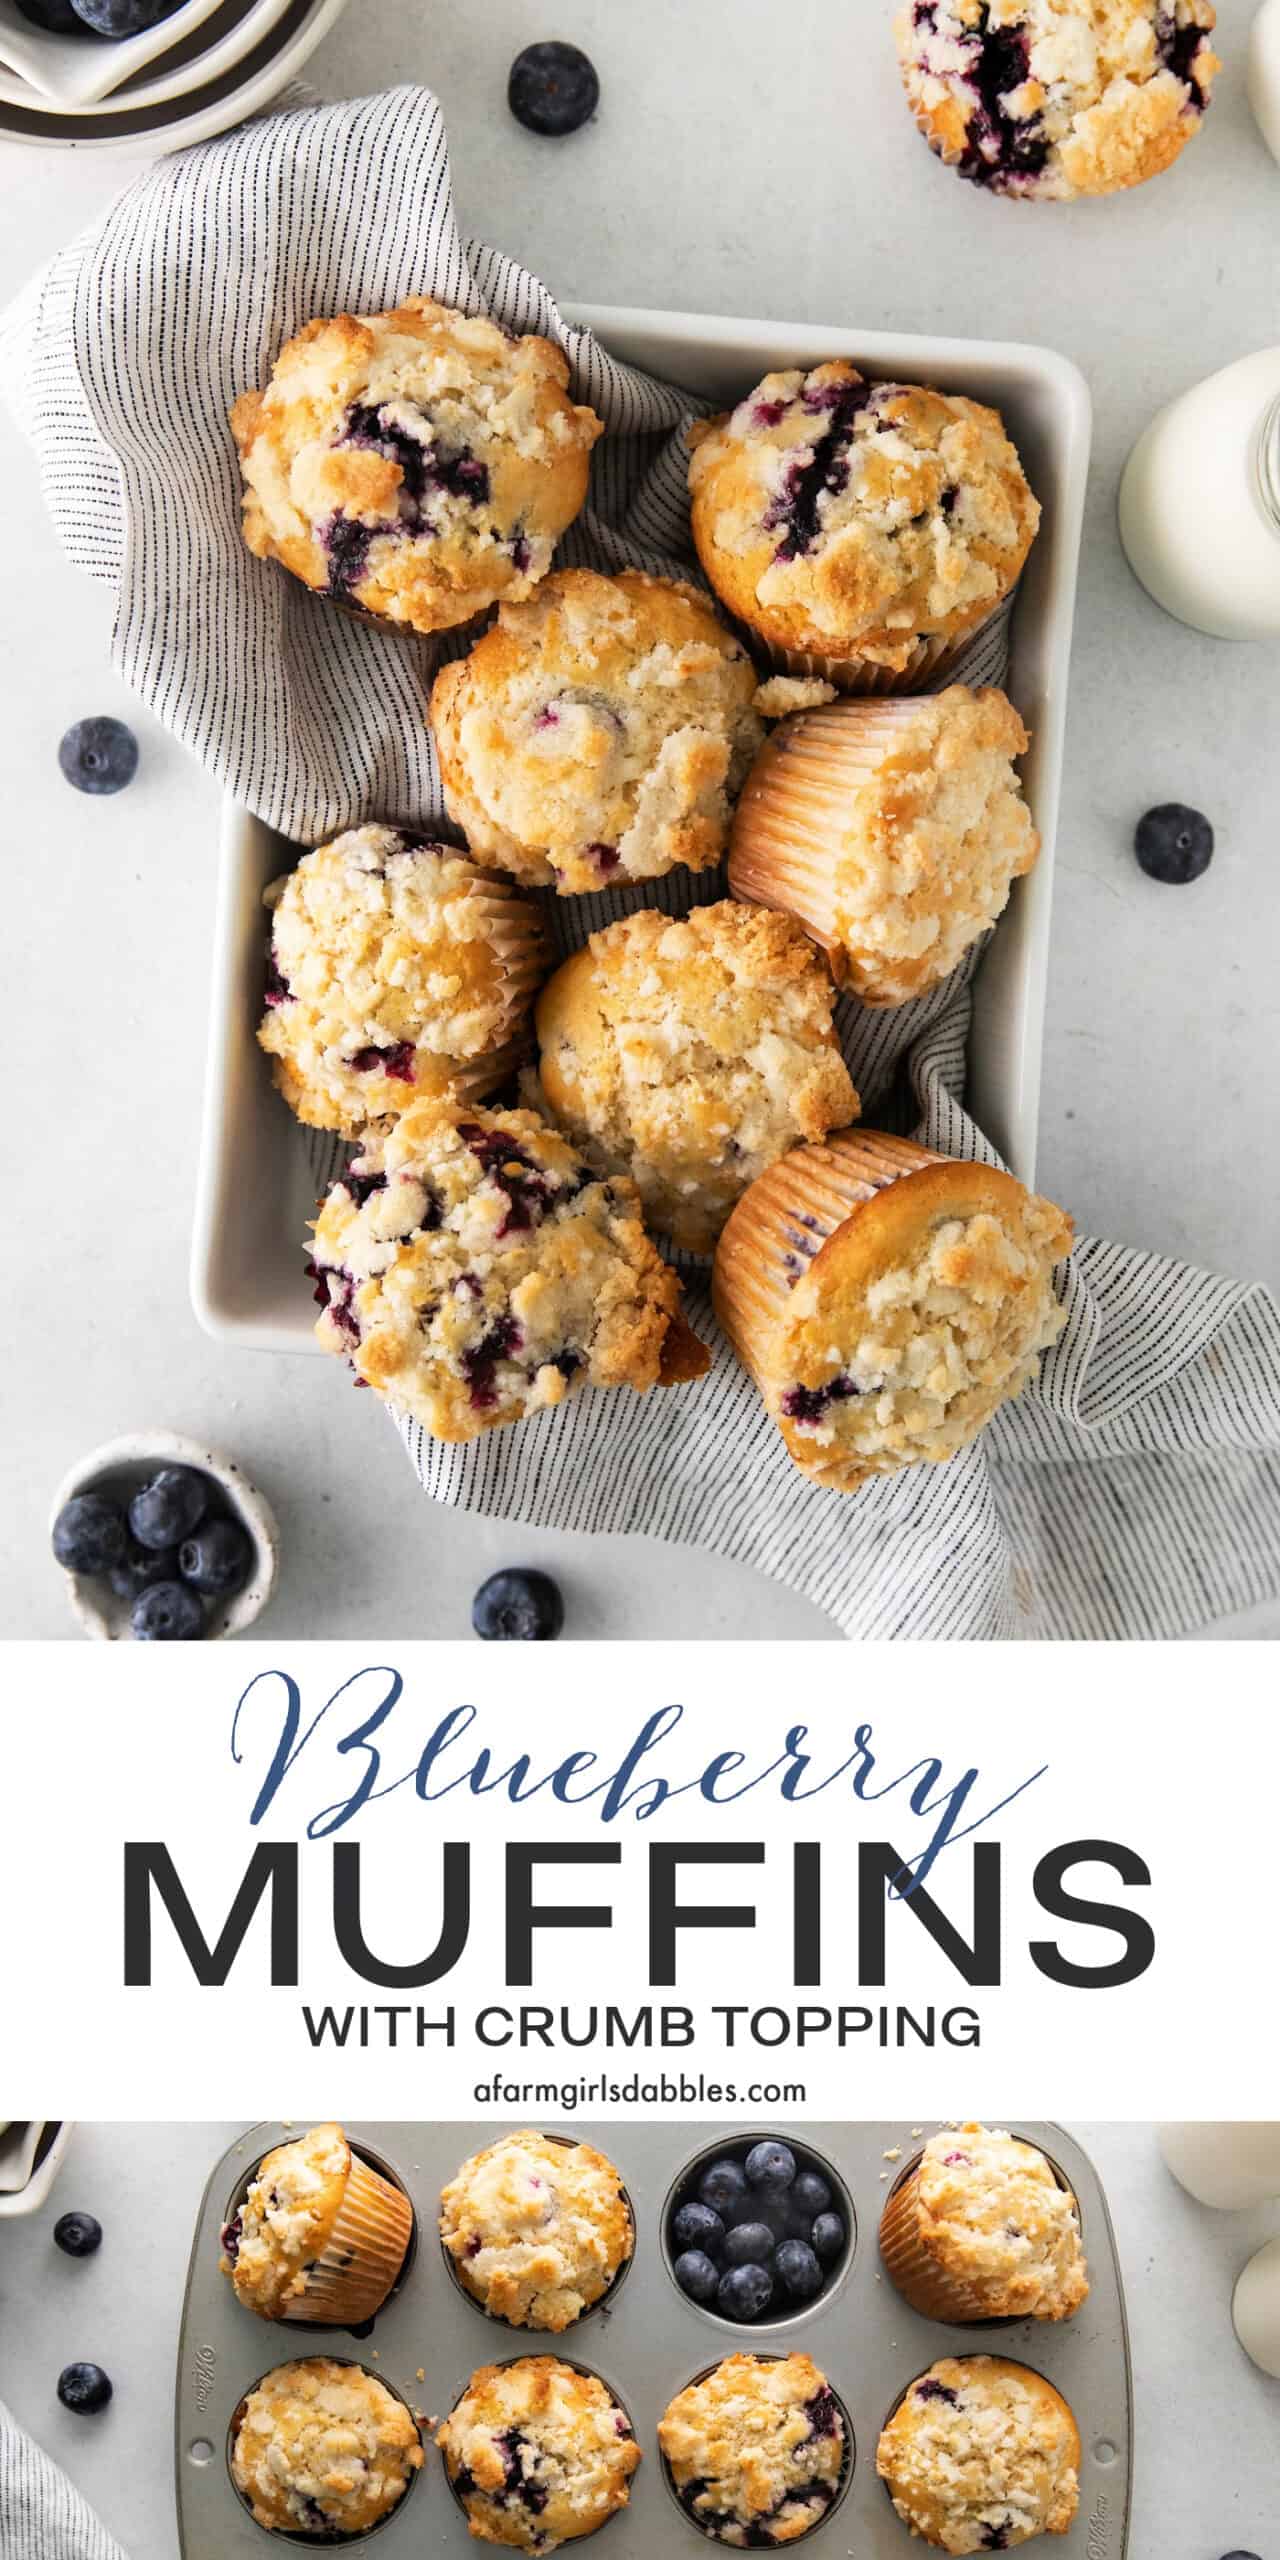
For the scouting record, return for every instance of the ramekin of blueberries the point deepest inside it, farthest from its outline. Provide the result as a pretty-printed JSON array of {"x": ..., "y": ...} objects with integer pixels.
[
  {"x": 757, "y": 2231},
  {"x": 163, "y": 1541}
]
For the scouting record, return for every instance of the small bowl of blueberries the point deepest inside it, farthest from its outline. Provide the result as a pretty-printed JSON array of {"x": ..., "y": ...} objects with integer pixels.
[
  {"x": 757, "y": 2231},
  {"x": 164, "y": 1541}
]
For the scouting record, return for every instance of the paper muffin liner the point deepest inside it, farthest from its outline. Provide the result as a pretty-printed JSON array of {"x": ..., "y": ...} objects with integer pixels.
[
  {"x": 363, "y": 2254},
  {"x": 783, "y": 1221},
  {"x": 930, "y": 659},
  {"x": 784, "y": 849},
  {"x": 517, "y": 937},
  {"x": 918, "y": 2277}
]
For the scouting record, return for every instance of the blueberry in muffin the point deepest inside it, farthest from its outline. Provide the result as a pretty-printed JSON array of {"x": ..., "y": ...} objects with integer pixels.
[
  {"x": 1057, "y": 98},
  {"x": 417, "y": 464}
]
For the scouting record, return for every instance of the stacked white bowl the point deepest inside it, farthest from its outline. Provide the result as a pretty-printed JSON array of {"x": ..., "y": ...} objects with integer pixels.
[
  {"x": 30, "y": 2158},
  {"x": 207, "y": 65}
]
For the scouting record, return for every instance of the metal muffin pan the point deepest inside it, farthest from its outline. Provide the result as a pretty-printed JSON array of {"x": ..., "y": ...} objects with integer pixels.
[{"x": 646, "y": 2341}]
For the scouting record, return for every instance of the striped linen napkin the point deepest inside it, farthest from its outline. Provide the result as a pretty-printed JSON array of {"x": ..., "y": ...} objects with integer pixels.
[
  {"x": 1135, "y": 1491},
  {"x": 41, "y": 2516}
]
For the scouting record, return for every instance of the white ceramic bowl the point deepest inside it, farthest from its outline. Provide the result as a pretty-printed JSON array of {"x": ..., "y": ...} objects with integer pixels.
[
  {"x": 192, "y": 116},
  {"x": 214, "y": 47},
  {"x": 120, "y": 1468},
  {"x": 30, "y": 2198},
  {"x": 74, "y": 71}
]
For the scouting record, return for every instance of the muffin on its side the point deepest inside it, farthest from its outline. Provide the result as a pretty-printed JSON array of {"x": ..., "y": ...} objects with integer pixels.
[
  {"x": 322, "y": 2447},
  {"x": 320, "y": 2235},
  {"x": 981, "y": 2454},
  {"x": 862, "y": 531},
  {"x": 538, "y": 2453},
  {"x": 982, "y": 2228},
  {"x": 598, "y": 734},
  {"x": 756, "y": 2450},
  {"x": 473, "y": 1269},
  {"x": 415, "y": 463},
  {"x": 690, "y": 1055},
  {"x": 398, "y": 969},
  {"x": 1047, "y": 99},
  {"x": 536, "y": 2229},
  {"x": 887, "y": 1300},
  {"x": 892, "y": 831}
]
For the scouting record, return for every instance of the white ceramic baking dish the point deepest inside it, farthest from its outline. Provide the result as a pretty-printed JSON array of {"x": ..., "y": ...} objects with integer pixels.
[{"x": 259, "y": 1172}]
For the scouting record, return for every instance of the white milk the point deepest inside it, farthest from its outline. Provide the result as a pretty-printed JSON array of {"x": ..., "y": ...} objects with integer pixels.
[
  {"x": 1200, "y": 503},
  {"x": 1224, "y": 2164}
]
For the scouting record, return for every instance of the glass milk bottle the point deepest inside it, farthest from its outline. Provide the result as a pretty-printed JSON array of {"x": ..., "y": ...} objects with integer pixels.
[
  {"x": 1226, "y": 2165},
  {"x": 1200, "y": 503}
]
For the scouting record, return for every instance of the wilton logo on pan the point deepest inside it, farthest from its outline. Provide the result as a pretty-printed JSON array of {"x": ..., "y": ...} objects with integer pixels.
[{"x": 203, "y": 2377}]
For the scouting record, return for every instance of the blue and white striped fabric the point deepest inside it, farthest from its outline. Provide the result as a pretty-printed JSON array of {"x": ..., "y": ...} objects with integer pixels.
[
  {"x": 1136, "y": 1490},
  {"x": 41, "y": 2516}
]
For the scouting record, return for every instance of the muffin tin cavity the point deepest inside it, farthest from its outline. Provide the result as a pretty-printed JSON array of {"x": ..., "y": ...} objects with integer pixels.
[
  {"x": 650, "y": 2346},
  {"x": 541, "y": 2341},
  {"x": 757, "y": 2538},
  {"x": 319, "y": 2330},
  {"x": 324, "y": 2537},
  {"x": 793, "y": 2214}
]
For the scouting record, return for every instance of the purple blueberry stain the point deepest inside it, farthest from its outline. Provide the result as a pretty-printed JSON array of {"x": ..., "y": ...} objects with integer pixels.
[
  {"x": 277, "y": 989},
  {"x": 480, "y": 1364},
  {"x": 606, "y": 857},
  {"x": 426, "y": 468},
  {"x": 995, "y": 2537},
  {"x": 808, "y": 1404},
  {"x": 819, "y": 470},
  {"x": 395, "y": 1060},
  {"x": 931, "y": 2389},
  {"x": 361, "y": 1186},
  {"x": 521, "y": 555},
  {"x": 335, "y": 1291},
  {"x": 823, "y": 2413},
  {"x": 231, "y": 2237},
  {"x": 346, "y": 544},
  {"x": 1000, "y": 145},
  {"x": 529, "y": 1190}
]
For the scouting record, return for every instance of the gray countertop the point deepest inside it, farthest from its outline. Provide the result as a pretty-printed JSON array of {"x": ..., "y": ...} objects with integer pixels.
[
  {"x": 746, "y": 159},
  {"x": 1206, "y": 2419}
]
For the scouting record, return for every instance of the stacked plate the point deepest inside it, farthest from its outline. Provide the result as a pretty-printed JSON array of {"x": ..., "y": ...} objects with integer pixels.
[
  {"x": 207, "y": 66},
  {"x": 30, "y": 2158}
]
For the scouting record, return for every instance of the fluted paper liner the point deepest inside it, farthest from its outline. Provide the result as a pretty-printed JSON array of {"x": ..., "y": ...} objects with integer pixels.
[
  {"x": 362, "y": 2256},
  {"x": 920, "y": 2280},
  {"x": 781, "y": 1223},
  {"x": 789, "y": 824},
  {"x": 517, "y": 936},
  {"x": 929, "y": 659}
]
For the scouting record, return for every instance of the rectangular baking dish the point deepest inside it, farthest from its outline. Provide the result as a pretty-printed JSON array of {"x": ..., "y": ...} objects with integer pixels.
[
  {"x": 647, "y": 2341},
  {"x": 260, "y": 1172}
]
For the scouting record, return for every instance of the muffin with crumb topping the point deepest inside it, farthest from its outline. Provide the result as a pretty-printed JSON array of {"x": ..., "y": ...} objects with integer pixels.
[
  {"x": 321, "y": 2447},
  {"x": 319, "y": 2235},
  {"x": 864, "y": 532},
  {"x": 982, "y": 2227},
  {"x": 536, "y": 2229},
  {"x": 980, "y": 2455},
  {"x": 538, "y": 2452},
  {"x": 416, "y": 464},
  {"x": 756, "y": 2450}
]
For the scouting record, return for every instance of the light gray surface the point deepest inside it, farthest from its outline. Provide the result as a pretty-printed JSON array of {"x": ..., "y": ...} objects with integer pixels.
[
  {"x": 1206, "y": 2419},
  {"x": 746, "y": 159}
]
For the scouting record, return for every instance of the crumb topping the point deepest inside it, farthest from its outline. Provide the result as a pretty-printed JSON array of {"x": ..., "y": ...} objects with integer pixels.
[
  {"x": 537, "y": 2229},
  {"x": 284, "y": 2222},
  {"x": 980, "y": 2455},
  {"x": 992, "y": 2214},
  {"x": 756, "y": 2450},
  {"x": 322, "y": 2447},
  {"x": 538, "y": 2453}
]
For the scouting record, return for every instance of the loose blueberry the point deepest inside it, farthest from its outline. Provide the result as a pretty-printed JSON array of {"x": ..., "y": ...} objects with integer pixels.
[
  {"x": 770, "y": 2164},
  {"x": 723, "y": 2187},
  {"x": 798, "y": 2271},
  {"x": 78, "y": 2233},
  {"x": 553, "y": 88},
  {"x": 124, "y": 17},
  {"x": 695, "y": 2226},
  {"x": 89, "y": 1534},
  {"x": 811, "y": 2194},
  {"x": 744, "y": 2293},
  {"x": 827, "y": 2237},
  {"x": 1173, "y": 844},
  {"x": 696, "y": 2274},
  {"x": 217, "y": 1559},
  {"x": 748, "y": 2242},
  {"x": 518, "y": 1606},
  {"x": 168, "y": 1613},
  {"x": 84, "y": 2388},
  {"x": 168, "y": 1507},
  {"x": 99, "y": 756},
  {"x": 139, "y": 1567},
  {"x": 57, "y": 15}
]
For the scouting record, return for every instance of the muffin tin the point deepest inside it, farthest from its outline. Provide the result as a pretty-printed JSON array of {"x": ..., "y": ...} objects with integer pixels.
[{"x": 646, "y": 2341}]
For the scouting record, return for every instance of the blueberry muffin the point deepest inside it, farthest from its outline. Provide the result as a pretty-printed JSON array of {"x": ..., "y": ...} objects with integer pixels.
[
  {"x": 887, "y": 1300},
  {"x": 756, "y": 2450},
  {"x": 597, "y": 734},
  {"x": 474, "y": 1269},
  {"x": 892, "y": 831},
  {"x": 321, "y": 2447},
  {"x": 982, "y": 2228},
  {"x": 320, "y": 2235},
  {"x": 689, "y": 1055},
  {"x": 1057, "y": 98},
  {"x": 863, "y": 532},
  {"x": 538, "y": 2453},
  {"x": 536, "y": 2229},
  {"x": 981, "y": 2454},
  {"x": 415, "y": 464},
  {"x": 397, "y": 969}
]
